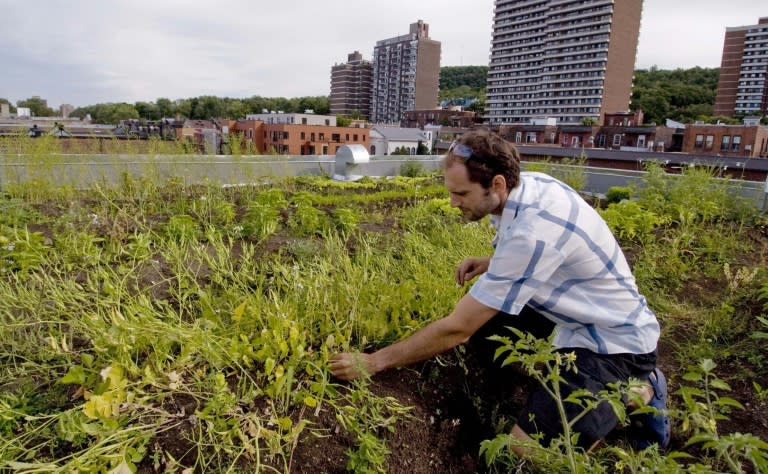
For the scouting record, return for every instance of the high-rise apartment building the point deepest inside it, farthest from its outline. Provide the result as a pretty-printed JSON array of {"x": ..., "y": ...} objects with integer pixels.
[
  {"x": 567, "y": 59},
  {"x": 351, "y": 86},
  {"x": 406, "y": 74},
  {"x": 743, "y": 85}
]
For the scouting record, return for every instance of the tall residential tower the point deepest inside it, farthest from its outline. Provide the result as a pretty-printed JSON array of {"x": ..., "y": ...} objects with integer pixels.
[
  {"x": 567, "y": 59},
  {"x": 406, "y": 74},
  {"x": 351, "y": 85},
  {"x": 743, "y": 85}
]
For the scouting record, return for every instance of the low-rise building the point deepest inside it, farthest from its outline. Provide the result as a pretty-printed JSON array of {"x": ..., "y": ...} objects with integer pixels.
[
  {"x": 393, "y": 140},
  {"x": 446, "y": 117},
  {"x": 307, "y": 118},
  {"x": 726, "y": 140}
]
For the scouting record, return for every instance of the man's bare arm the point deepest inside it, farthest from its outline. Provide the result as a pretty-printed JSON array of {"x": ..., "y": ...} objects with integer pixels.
[{"x": 433, "y": 339}]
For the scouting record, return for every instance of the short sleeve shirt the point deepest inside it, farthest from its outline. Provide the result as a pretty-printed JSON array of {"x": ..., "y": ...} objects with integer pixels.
[{"x": 554, "y": 252}]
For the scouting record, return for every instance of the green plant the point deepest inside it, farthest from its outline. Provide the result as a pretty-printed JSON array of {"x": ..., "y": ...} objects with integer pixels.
[
  {"x": 345, "y": 220},
  {"x": 704, "y": 407},
  {"x": 617, "y": 194},
  {"x": 412, "y": 169},
  {"x": 21, "y": 250},
  {"x": 260, "y": 220},
  {"x": 542, "y": 361},
  {"x": 628, "y": 220},
  {"x": 365, "y": 416}
]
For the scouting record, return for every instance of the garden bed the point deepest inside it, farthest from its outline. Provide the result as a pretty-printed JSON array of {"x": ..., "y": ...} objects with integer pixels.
[{"x": 155, "y": 327}]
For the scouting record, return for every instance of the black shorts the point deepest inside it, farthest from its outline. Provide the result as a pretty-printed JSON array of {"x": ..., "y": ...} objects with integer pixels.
[{"x": 595, "y": 371}]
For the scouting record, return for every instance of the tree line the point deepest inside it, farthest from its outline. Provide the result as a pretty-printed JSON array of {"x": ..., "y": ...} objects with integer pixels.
[{"x": 683, "y": 95}]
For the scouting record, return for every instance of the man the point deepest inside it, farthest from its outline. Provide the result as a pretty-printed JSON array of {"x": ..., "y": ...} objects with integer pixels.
[{"x": 555, "y": 265}]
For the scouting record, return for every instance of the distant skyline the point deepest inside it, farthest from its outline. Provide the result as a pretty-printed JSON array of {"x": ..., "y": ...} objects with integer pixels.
[{"x": 85, "y": 52}]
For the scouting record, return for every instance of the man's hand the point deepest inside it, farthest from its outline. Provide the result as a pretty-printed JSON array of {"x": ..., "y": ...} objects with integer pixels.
[
  {"x": 351, "y": 365},
  {"x": 470, "y": 268}
]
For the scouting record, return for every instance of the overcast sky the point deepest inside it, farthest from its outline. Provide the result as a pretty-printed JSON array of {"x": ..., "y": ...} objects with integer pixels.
[{"x": 85, "y": 52}]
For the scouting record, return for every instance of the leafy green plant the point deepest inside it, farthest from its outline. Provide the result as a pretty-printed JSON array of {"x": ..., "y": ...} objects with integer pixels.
[
  {"x": 183, "y": 228},
  {"x": 260, "y": 220},
  {"x": 704, "y": 407},
  {"x": 542, "y": 361},
  {"x": 364, "y": 416},
  {"x": 617, "y": 194},
  {"x": 412, "y": 169},
  {"x": 307, "y": 221},
  {"x": 21, "y": 250},
  {"x": 628, "y": 220},
  {"x": 345, "y": 220}
]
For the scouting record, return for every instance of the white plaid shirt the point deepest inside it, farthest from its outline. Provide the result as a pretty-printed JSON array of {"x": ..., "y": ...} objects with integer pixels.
[{"x": 556, "y": 254}]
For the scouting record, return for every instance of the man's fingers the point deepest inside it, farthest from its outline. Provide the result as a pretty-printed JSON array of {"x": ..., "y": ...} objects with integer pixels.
[{"x": 343, "y": 366}]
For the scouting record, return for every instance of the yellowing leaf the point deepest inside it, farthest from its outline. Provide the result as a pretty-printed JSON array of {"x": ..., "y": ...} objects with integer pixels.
[
  {"x": 97, "y": 407},
  {"x": 311, "y": 402},
  {"x": 239, "y": 311},
  {"x": 285, "y": 423}
]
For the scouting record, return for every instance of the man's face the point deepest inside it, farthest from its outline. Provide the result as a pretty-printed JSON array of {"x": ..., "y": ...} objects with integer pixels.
[{"x": 474, "y": 201}]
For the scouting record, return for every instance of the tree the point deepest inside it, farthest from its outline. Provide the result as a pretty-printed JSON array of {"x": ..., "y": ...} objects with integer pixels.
[
  {"x": 343, "y": 121},
  {"x": 147, "y": 110},
  {"x": 165, "y": 108},
  {"x": 683, "y": 95},
  {"x": 474, "y": 77},
  {"x": 207, "y": 107},
  {"x": 37, "y": 107}
]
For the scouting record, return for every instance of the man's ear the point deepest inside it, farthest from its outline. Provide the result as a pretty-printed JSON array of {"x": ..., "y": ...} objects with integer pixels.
[{"x": 499, "y": 183}]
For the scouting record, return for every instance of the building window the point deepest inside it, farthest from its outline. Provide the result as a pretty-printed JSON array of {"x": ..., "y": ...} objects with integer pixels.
[
  {"x": 354, "y": 137},
  {"x": 303, "y": 135},
  {"x": 531, "y": 137},
  {"x": 641, "y": 141},
  {"x": 335, "y": 137},
  {"x": 518, "y": 137},
  {"x": 312, "y": 136},
  {"x": 303, "y": 120},
  {"x": 325, "y": 149},
  {"x": 725, "y": 143},
  {"x": 327, "y": 122},
  {"x": 708, "y": 142},
  {"x": 736, "y": 143},
  {"x": 347, "y": 137},
  {"x": 322, "y": 137},
  {"x": 699, "y": 141},
  {"x": 617, "y": 139},
  {"x": 600, "y": 142},
  {"x": 285, "y": 135}
]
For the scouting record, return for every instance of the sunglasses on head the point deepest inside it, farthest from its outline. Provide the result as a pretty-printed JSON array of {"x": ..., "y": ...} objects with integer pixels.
[{"x": 461, "y": 150}]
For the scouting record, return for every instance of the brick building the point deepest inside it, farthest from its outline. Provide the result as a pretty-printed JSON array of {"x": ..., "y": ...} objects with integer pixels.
[
  {"x": 298, "y": 139},
  {"x": 726, "y": 140},
  {"x": 447, "y": 117},
  {"x": 743, "y": 84},
  {"x": 351, "y": 87}
]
